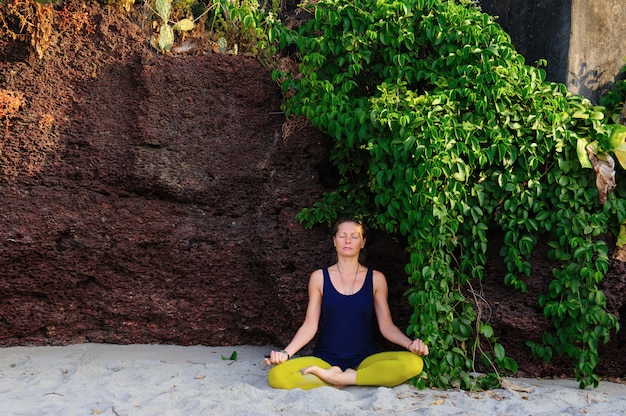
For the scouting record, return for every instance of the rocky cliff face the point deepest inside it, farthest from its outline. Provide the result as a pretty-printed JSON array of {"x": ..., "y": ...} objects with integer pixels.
[{"x": 152, "y": 199}]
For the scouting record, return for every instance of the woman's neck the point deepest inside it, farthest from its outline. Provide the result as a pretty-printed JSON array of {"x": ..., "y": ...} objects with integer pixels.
[{"x": 348, "y": 264}]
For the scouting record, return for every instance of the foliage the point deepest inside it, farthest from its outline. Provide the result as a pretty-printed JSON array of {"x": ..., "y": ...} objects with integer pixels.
[
  {"x": 250, "y": 26},
  {"x": 166, "y": 32},
  {"x": 441, "y": 134},
  {"x": 237, "y": 25},
  {"x": 615, "y": 103},
  {"x": 231, "y": 25}
]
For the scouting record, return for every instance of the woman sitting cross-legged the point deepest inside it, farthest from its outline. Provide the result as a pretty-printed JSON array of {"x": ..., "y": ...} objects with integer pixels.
[{"x": 343, "y": 299}]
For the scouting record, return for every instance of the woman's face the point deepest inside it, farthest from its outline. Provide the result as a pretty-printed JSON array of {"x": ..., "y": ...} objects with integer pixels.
[{"x": 349, "y": 240}]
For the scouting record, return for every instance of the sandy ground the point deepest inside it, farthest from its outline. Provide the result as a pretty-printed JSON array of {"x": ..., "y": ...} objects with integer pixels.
[{"x": 99, "y": 379}]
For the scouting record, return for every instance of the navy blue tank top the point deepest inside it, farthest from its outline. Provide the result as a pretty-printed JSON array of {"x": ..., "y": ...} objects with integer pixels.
[{"x": 346, "y": 332}]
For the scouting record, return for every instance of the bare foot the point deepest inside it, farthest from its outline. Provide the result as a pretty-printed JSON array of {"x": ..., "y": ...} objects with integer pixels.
[{"x": 333, "y": 375}]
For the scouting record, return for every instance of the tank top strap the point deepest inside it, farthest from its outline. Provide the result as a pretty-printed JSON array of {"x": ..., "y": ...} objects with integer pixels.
[
  {"x": 369, "y": 282},
  {"x": 327, "y": 282}
]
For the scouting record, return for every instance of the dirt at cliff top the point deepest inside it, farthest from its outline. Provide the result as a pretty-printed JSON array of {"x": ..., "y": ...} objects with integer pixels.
[{"x": 151, "y": 198}]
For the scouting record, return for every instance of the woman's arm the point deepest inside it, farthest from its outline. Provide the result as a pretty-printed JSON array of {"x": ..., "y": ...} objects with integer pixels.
[
  {"x": 308, "y": 329},
  {"x": 385, "y": 322}
]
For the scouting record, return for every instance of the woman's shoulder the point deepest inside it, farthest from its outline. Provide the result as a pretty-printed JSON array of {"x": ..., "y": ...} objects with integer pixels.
[
  {"x": 378, "y": 277},
  {"x": 317, "y": 275},
  {"x": 316, "y": 281},
  {"x": 376, "y": 273}
]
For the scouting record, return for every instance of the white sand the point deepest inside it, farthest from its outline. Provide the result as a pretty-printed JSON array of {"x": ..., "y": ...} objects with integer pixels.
[{"x": 96, "y": 379}]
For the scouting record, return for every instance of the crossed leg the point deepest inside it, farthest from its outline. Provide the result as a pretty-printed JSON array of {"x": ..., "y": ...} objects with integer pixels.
[
  {"x": 333, "y": 375},
  {"x": 386, "y": 369},
  {"x": 290, "y": 374}
]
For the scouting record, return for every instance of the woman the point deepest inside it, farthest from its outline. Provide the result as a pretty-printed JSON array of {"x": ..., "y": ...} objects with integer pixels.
[{"x": 343, "y": 299}]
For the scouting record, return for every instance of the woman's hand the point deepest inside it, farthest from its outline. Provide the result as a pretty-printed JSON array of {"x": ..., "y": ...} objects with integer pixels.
[
  {"x": 276, "y": 357},
  {"x": 418, "y": 347}
]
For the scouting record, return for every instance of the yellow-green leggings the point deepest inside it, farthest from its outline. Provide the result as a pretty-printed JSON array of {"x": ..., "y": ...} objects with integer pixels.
[{"x": 387, "y": 369}]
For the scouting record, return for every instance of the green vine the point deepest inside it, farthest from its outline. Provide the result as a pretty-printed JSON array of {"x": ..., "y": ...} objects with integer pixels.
[
  {"x": 253, "y": 27},
  {"x": 441, "y": 133}
]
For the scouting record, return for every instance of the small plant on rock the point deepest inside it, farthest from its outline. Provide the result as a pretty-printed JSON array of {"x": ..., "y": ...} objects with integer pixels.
[
  {"x": 165, "y": 39},
  {"x": 29, "y": 19},
  {"x": 10, "y": 103}
]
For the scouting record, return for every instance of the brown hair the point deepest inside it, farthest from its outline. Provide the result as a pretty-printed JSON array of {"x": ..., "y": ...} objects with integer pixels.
[{"x": 347, "y": 219}]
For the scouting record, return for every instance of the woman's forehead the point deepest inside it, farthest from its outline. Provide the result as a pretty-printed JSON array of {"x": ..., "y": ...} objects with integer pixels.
[{"x": 349, "y": 227}]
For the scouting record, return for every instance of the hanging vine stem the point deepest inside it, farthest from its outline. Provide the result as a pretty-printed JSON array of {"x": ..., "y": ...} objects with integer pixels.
[{"x": 480, "y": 300}]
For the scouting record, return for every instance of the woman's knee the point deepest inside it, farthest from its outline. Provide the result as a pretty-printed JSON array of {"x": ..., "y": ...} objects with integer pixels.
[
  {"x": 278, "y": 380},
  {"x": 414, "y": 364},
  {"x": 288, "y": 375}
]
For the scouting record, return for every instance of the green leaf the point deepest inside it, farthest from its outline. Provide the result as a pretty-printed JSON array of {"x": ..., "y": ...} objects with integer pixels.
[
  {"x": 486, "y": 330},
  {"x": 621, "y": 238},
  {"x": 163, "y": 8},
  {"x": 583, "y": 156},
  {"x": 597, "y": 115},
  {"x": 618, "y": 142},
  {"x": 166, "y": 38},
  {"x": 233, "y": 357},
  {"x": 184, "y": 25},
  {"x": 498, "y": 351}
]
